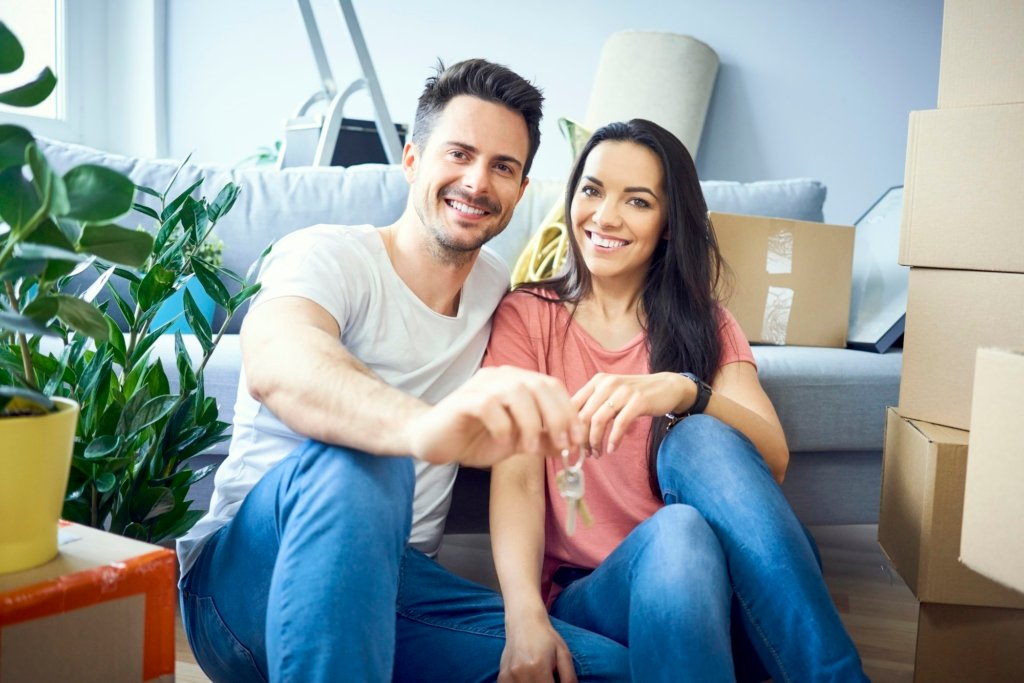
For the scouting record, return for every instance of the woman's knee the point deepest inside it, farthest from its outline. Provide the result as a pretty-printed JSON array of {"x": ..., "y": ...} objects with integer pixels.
[
  {"x": 680, "y": 550},
  {"x": 704, "y": 448},
  {"x": 677, "y": 536}
]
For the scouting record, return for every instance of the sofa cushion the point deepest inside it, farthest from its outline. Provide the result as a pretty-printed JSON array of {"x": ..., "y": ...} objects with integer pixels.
[{"x": 830, "y": 399}]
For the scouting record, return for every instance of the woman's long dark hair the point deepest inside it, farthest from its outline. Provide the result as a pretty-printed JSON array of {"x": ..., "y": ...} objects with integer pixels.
[{"x": 678, "y": 298}]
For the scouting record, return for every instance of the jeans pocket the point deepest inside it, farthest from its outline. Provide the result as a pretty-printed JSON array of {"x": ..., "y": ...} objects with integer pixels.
[{"x": 220, "y": 654}]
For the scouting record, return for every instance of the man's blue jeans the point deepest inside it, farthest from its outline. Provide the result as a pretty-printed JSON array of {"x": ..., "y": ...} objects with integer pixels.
[
  {"x": 725, "y": 552},
  {"x": 312, "y": 581}
]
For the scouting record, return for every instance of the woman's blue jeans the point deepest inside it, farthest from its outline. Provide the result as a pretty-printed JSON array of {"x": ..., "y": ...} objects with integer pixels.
[
  {"x": 726, "y": 553},
  {"x": 313, "y": 581}
]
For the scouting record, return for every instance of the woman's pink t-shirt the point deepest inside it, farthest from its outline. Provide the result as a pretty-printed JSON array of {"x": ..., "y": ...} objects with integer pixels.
[{"x": 539, "y": 334}]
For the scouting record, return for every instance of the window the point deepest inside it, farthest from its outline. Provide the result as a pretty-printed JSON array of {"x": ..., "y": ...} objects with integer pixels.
[{"x": 39, "y": 27}]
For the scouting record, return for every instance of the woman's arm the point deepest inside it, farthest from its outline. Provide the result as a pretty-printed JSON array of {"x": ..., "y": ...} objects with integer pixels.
[
  {"x": 738, "y": 399},
  {"x": 533, "y": 649},
  {"x": 610, "y": 403}
]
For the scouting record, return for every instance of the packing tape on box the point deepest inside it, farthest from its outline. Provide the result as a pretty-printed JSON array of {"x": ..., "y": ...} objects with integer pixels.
[
  {"x": 780, "y": 253},
  {"x": 777, "y": 308}
]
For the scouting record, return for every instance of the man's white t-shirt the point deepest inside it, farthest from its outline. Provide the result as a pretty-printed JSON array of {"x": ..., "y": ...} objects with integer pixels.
[{"x": 346, "y": 270}]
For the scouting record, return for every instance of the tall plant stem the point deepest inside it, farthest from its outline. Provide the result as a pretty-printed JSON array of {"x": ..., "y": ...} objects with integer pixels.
[{"x": 26, "y": 354}]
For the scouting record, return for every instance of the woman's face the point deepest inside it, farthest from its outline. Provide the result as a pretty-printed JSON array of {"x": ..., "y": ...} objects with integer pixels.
[{"x": 619, "y": 210}]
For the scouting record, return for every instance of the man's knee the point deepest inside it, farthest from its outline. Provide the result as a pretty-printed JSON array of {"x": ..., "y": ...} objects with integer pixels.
[{"x": 340, "y": 481}]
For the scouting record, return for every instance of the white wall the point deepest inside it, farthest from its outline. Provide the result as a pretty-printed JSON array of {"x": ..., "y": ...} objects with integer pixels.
[{"x": 817, "y": 88}]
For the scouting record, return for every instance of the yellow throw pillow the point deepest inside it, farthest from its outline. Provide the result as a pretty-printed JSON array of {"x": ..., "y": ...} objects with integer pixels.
[{"x": 545, "y": 253}]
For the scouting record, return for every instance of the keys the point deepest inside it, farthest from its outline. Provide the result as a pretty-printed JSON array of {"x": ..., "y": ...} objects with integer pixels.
[{"x": 570, "y": 487}]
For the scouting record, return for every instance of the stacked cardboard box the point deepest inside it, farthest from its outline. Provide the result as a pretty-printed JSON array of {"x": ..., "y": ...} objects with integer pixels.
[
  {"x": 963, "y": 236},
  {"x": 102, "y": 611}
]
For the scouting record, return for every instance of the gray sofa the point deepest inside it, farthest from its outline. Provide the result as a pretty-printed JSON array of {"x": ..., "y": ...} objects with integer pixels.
[{"x": 831, "y": 401}]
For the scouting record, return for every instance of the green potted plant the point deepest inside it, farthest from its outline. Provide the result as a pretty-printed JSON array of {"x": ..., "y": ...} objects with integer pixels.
[
  {"x": 90, "y": 353},
  {"x": 139, "y": 432},
  {"x": 52, "y": 226}
]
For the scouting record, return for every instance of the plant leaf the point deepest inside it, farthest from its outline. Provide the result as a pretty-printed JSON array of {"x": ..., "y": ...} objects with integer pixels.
[
  {"x": 197, "y": 321},
  {"x": 178, "y": 201},
  {"x": 146, "y": 210},
  {"x": 50, "y": 186},
  {"x": 13, "y": 141},
  {"x": 163, "y": 235},
  {"x": 244, "y": 295},
  {"x": 12, "y": 54},
  {"x": 18, "y": 268},
  {"x": 117, "y": 344},
  {"x": 18, "y": 199},
  {"x": 155, "y": 287},
  {"x": 116, "y": 244},
  {"x": 136, "y": 531},
  {"x": 186, "y": 375},
  {"x": 96, "y": 287},
  {"x": 126, "y": 309},
  {"x": 212, "y": 285},
  {"x": 224, "y": 201},
  {"x": 105, "y": 482},
  {"x": 24, "y": 324},
  {"x": 98, "y": 194},
  {"x": 150, "y": 191},
  {"x": 83, "y": 317},
  {"x": 102, "y": 446},
  {"x": 42, "y": 309},
  {"x": 154, "y": 410},
  {"x": 49, "y": 233},
  {"x": 175, "y": 528},
  {"x": 153, "y": 502},
  {"x": 33, "y": 92},
  {"x": 31, "y": 250}
]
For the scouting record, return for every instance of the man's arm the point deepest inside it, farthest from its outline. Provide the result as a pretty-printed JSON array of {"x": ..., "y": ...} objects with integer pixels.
[{"x": 296, "y": 366}]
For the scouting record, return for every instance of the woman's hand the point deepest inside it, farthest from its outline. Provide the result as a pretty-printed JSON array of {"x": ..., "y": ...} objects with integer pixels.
[
  {"x": 608, "y": 404},
  {"x": 534, "y": 651}
]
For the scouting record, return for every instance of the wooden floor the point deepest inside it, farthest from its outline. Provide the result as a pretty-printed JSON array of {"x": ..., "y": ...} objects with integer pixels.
[{"x": 878, "y": 609}]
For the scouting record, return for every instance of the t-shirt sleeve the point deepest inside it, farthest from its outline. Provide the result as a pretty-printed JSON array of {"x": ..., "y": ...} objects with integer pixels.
[
  {"x": 735, "y": 347},
  {"x": 316, "y": 265},
  {"x": 514, "y": 333}
]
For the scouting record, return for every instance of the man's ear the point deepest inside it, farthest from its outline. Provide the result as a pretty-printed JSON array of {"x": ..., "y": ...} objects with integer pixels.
[
  {"x": 522, "y": 188},
  {"x": 410, "y": 157}
]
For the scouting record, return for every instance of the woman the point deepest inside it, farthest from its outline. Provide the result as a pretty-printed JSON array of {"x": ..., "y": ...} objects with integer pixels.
[{"x": 694, "y": 555}]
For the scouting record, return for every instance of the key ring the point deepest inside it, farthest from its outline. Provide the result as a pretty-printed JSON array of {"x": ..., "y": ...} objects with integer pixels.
[{"x": 576, "y": 466}]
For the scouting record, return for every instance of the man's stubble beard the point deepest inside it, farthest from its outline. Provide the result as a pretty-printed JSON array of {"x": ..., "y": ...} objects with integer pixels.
[{"x": 450, "y": 252}]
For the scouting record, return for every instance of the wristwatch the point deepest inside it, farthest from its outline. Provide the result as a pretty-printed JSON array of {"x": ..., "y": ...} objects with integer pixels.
[{"x": 703, "y": 396}]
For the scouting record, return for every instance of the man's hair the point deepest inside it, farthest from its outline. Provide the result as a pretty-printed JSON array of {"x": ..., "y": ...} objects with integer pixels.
[{"x": 487, "y": 81}]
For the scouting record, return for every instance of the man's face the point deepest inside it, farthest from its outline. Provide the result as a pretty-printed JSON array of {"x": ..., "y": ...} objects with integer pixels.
[{"x": 468, "y": 177}]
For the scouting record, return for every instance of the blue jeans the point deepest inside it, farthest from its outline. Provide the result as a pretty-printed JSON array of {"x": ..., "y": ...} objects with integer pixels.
[
  {"x": 313, "y": 581},
  {"x": 724, "y": 567}
]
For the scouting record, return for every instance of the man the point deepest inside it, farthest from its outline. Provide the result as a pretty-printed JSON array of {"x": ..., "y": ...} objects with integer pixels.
[{"x": 366, "y": 341}]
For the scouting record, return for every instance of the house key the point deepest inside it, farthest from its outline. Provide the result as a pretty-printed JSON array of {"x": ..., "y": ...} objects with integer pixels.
[{"x": 570, "y": 487}]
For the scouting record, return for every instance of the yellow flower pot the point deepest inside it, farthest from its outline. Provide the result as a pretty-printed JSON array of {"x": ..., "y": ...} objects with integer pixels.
[{"x": 35, "y": 461}]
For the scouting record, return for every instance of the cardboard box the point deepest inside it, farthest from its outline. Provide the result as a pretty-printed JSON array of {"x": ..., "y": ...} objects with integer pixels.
[
  {"x": 992, "y": 540},
  {"x": 958, "y": 644},
  {"x": 792, "y": 278},
  {"x": 982, "y": 53},
  {"x": 101, "y": 612},
  {"x": 962, "y": 202},
  {"x": 922, "y": 507},
  {"x": 950, "y": 315}
]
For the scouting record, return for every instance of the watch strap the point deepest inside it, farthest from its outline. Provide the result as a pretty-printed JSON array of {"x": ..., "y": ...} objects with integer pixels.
[{"x": 699, "y": 404}]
